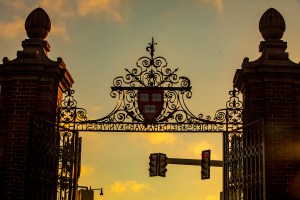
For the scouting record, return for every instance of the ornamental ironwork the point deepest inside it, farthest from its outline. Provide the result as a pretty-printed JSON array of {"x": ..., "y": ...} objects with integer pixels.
[
  {"x": 69, "y": 165},
  {"x": 151, "y": 98},
  {"x": 53, "y": 167},
  {"x": 43, "y": 156},
  {"x": 244, "y": 162}
]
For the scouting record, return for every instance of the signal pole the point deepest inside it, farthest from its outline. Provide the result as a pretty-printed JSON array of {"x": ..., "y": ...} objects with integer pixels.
[
  {"x": 204, "y": 162},
  {"x": 183, "y": 161},
  {"x": 159, "y": 161}
]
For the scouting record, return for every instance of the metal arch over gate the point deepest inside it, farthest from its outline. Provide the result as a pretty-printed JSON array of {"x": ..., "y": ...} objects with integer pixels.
[{"x": 151, "y": 98}]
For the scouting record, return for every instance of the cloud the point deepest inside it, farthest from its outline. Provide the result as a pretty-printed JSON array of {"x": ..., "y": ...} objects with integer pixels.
[
  {"x": 86, "y": 170},
  {"x": 159, "y": 138},
  {"x": 213, "y": 197},
  {"x": 61, "y": 8},
  {"x": 128, "y": 186},
  {"x": 19, "y": 4},
  {"x": 61, "y": 12},
  {"x": 218, "y": 4},
  {"x": 16, "y": 4},
  {"x": 60, "y": 29},
  {"x": 12, "y": 29},
  {"x": 196, "y": 148},
  {"x": 110, "y": 8}
]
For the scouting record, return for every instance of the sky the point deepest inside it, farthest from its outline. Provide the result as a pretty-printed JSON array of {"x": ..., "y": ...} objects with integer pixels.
[{"x": 206, "y": 39}]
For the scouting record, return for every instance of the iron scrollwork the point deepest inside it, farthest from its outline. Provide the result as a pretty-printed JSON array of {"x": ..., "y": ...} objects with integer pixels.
[
  {"x": 243, "y": 144},
  {"x": 232, "y": 114},
  {"x": 43, "y": 156},
  {"x": 151, "y": 80},
  {"x": 150, "y": 72},
  {"x": 68, "y": 113}
]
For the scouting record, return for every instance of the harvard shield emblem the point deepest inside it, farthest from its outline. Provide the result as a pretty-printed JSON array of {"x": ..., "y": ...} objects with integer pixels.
[{"x": 150, "y": 103}]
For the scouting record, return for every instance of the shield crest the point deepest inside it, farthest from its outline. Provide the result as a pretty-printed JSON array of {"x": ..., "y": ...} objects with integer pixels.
[{"x": 150, "y": 104}]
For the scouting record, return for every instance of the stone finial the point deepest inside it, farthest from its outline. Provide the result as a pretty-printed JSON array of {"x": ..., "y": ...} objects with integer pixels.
[
  {"x": 271, "y": 24},
  {"x": 38, "y": 24}
]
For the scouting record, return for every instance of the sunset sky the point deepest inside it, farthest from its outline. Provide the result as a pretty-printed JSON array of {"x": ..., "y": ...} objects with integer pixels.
[{"x": 206, "y": 39}]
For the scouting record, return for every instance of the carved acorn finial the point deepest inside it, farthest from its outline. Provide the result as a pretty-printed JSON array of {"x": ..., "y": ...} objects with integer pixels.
[
  {"x": 38, "y": 24},
  {"x": 272, "y": 24}
]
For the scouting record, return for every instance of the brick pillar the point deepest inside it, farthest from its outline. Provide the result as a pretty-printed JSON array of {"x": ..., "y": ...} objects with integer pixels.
[
  {"x": 271, "y": 90},
  {"x": 30, "y": 85}
]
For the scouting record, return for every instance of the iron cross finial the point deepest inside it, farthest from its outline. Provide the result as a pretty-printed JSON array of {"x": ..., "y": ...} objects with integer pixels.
[{"x": 151, "y": 49}]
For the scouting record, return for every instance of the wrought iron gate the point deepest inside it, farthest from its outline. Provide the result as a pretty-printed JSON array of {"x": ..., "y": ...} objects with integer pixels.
[
  {"x": 69, "y": 164},
  {"x": 244, "y": 162},
  {"x": 151, "y": 98},
  {"x": 43, "y": 153},
  {"x": 53, "y": 167}
]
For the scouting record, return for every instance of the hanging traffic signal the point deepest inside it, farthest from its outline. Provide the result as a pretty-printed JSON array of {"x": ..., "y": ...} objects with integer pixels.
[
  {"x": 158, "y": 164},
  {"x": 205, "y": 164},
  {"x": 153, "y": 164},
  {"x": 162, "y": 165}
]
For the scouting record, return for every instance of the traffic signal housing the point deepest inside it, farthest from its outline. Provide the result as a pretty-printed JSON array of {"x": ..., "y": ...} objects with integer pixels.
[
  {"x": 205, "y": 165},
  {"x": 162, "y": 165},
  {"x": 153, "y": 163},
  {"x": 158, "y": 164}
]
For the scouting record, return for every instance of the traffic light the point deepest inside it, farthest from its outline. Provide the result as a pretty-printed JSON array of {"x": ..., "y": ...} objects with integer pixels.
[
  {"x": 205, "y": 164},
  {"x": 162, "y": 165},
  {"x": 153, "y": 164}
]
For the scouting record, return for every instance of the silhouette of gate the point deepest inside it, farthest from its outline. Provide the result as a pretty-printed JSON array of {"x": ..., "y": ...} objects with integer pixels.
[
  {"x": 151, "y": 98},
  {"x": 52, "y": 149},
  {"x": 43, "y": 158},
  {"x": 243, "y": 162}
]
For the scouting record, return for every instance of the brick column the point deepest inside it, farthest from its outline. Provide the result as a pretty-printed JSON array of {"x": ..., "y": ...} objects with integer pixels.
[
  {"x": 30, "y": 85},
  {"x": 271, "y": 90}
]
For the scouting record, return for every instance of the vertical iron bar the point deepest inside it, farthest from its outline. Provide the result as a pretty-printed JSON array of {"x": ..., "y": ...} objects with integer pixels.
[
  {"x": 225, "y": 158},
  {"x": 264, "y": 160},
  {"x": 57, "y": 153},
  {"x": 76, "y": 133}
]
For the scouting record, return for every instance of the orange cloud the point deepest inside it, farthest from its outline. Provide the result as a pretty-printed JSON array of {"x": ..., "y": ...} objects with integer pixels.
[
  {"x": 60, "y": 12},
  {"x": 86, "y": 170},
  {"x": 19, "y": 4},
  {"x": 218, "y": 4},
  {"x": 111, "y": 8},
  {"x": 60, "y": 29},
  {"x": 16, "y": 4},
  {"x": 12, "y": 29},
  {"x": 128, "y": 186},
  {"x": 197, "y": 148},
  {"x": 159, "y": 138},
  {"x": 213, "y": 197},
  {"x": 61, "y": 8}
]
